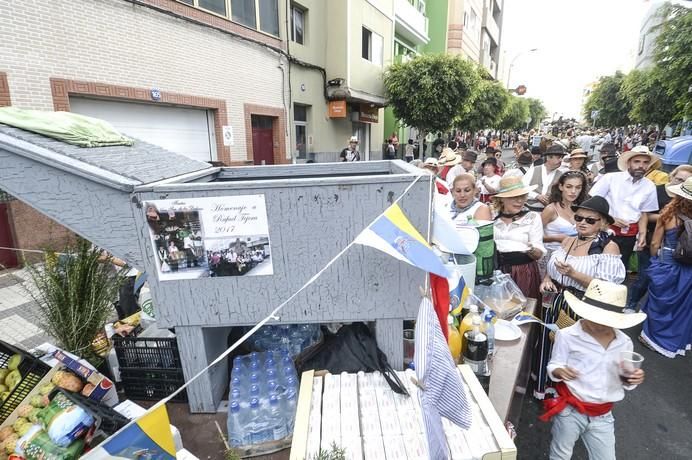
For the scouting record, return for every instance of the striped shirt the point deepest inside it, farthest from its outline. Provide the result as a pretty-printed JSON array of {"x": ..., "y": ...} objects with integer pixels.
[{"x": 606, "y": 267}]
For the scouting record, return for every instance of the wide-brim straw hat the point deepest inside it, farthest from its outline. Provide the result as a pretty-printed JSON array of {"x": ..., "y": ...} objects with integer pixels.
[
  {"x": 603, "y": 303},
  {"x": 353, "y": 140},
  {"x": 684, "y": 190},
  {"x": 576, "y": 153},
  {"x": 638, "y": 151},
  {"x": 513, "y": 186},
  {"x": 448, "y": 158},
  {"x": 597, "y": 204},
  {"x": 430, "y": 162}
]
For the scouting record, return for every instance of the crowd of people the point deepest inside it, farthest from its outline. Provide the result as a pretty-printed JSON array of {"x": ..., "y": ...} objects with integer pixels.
[
  {"x": 235, "y": 260},
  {"x": 572, "y": 214}
]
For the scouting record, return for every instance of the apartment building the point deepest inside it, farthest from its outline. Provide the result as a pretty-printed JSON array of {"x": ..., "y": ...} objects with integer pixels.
[
  {"x": 340, "y": 50},
  {"x": 475, "y": 31}
]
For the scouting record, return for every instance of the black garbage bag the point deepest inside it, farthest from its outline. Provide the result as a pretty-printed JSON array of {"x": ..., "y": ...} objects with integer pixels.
[{"x": 353, "y": 348}]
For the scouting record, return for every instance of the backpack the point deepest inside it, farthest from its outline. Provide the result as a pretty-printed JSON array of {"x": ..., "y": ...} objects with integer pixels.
[{"x": 683, "y": 251}]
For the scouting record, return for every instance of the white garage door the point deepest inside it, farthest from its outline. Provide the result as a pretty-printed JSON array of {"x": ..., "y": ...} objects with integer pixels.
[{"x": 181, "y": 130}]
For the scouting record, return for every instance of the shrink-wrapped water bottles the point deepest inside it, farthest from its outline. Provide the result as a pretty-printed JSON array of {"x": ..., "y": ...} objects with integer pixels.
[{"x": 262, "y": 398}]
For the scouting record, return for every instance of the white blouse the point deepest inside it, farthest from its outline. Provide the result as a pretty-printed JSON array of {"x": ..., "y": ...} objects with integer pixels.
[
  {"x": 516, "y": 236},
  {"x": 606, "y": 267}
]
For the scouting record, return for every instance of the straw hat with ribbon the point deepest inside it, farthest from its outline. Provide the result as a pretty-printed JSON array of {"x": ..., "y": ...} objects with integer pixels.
[
  {"x": 576, "y": 153},
  {"x": 640, "y": 150},
  {"x": 603, "y": 303},
  {"x": 448, "y": 158},
  {"x": 513, "y": 186},
  {"x": 684, "y": 190}
]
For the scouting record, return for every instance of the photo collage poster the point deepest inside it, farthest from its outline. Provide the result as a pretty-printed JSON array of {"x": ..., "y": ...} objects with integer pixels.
[{"x": 210, "y": 237}]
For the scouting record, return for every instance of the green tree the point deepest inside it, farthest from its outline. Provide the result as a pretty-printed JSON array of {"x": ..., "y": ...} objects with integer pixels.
[
  {"x": 674, "y": 54},
  {"x": 650, "y": 101},
  {"x": 537, "y": 112},
  {"x": 430, "y": 91},
  {"x": 613, "y": 108},
  {"x": 516, "y": 115},
  {"x": 487, "y": 108}
]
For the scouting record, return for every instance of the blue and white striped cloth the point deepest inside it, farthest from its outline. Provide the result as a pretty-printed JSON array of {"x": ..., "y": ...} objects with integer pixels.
[{"x": 442, "y": 393}]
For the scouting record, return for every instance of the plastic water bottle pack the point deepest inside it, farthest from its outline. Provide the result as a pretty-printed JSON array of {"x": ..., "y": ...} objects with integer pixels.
[
  {"x": 292, "y": 337},
  {"x": 262, "y": 398}
]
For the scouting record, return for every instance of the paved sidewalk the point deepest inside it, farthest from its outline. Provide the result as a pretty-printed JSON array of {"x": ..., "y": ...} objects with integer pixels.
[{"x": 19, "y": 314}]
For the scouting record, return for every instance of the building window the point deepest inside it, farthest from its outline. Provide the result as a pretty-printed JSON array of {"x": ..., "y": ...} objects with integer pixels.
[
  {"x": 300, "y": 120},
  {"x": 372, "y": 46},
  {"x": 215, "y": 6},
  {"x": 298, "y": 24},
  {"x": 257, "y": 14}
]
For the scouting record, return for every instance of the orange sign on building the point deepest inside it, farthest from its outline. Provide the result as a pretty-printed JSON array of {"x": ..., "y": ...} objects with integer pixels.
[{"x": 337, "y": 109}]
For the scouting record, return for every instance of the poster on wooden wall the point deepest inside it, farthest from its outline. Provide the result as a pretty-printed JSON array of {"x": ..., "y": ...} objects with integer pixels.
[{"x": 210, "y": 237}]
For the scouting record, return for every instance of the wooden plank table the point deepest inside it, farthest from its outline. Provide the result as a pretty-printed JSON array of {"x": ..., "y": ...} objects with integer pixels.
[{"x": 510, "y": 369}]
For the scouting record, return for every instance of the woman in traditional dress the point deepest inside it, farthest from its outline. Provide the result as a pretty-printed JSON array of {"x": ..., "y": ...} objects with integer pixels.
[{"x": 668, "y": 326}]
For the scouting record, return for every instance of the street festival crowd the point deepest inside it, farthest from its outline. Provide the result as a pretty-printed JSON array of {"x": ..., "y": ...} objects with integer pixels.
[{"x": 573, "y": 214}]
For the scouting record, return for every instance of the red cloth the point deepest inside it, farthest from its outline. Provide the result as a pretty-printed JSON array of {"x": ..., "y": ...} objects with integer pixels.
[
  {"x": 440, "y": 298},
  {"x": 631, "y": 231},
  {"x": 556, "y": 405},
  {"x": 441, "y": 187},
  {"x": 444, "y": 172}
]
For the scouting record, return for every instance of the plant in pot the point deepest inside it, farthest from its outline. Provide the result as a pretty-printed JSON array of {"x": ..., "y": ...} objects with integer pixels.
[{"x": 75, "y": 291}]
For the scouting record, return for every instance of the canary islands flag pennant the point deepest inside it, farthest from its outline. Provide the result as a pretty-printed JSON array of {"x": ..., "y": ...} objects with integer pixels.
[
  {"x": 458, "y": 296},
  {"x": 149, "y": 437},
  {"x": 393, "y": 234}
]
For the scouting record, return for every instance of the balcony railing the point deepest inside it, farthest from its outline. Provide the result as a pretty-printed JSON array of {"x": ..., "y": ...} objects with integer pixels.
[{"x": 411, "y": 21}]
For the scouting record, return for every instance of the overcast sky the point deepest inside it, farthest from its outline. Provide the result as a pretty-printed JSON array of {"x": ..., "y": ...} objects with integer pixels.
[{"x": 577, "y": 41}]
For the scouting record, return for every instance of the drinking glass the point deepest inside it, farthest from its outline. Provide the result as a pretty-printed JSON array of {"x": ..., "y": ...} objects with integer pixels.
[
  {"x": 409, "y": 346},
  {"x": 629, "y": 362}
]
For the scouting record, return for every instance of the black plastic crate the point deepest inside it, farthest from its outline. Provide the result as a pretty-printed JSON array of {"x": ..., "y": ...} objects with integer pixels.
[
  {"x": 32, "y": 370},
  {"x": 147, "y": 352},
  {"x": 152, "y": 384}
]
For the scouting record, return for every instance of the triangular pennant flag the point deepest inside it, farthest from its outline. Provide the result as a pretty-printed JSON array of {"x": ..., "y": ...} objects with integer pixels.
[
  {"x": 149, "y": 437},
  {"x": 393, "y": 234}
]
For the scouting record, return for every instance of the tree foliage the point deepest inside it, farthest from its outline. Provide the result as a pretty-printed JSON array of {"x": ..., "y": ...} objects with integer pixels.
[
  {"x": 487, "y": 108},
  {"x": 613, "y": 108},
  {"x": 673, "y": 56},
  {"x": 516, "y": 115},
  {"x": 537, "y": 111},
  {"x": 430, "y": 91},
  {"x": 650, "y": 101}
]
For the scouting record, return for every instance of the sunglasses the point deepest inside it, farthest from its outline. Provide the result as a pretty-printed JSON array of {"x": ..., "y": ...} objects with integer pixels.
[{"x": 589, "y": 220}]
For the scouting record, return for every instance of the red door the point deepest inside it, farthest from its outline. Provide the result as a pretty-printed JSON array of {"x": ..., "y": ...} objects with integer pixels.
[
  {"x": 7, "y": 258},
  {"x": 263, "y": 140}
]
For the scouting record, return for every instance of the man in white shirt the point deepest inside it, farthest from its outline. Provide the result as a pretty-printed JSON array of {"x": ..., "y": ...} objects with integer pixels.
[
  {"x": 630, "y": 196},
  {"x": 468, "y": 160},
  {"x": 544, "y": 176}
]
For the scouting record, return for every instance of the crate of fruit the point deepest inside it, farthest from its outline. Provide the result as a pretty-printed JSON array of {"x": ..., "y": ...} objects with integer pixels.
[{"x": 20, "y": 372}]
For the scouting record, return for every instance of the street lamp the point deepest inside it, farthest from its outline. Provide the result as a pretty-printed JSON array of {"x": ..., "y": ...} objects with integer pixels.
[{"x": 511, "y": 64}]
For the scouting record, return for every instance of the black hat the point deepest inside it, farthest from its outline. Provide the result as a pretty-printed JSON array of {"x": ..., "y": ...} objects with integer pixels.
[
  {"x": 469, "y": 155},
  {"x": 608, "y": 149},
  {"x": 555, "y": 149},
  {"x": 598, "y": 204},
  {"x": 491, "y": 160},
  {"x": 536, "y": 150}
]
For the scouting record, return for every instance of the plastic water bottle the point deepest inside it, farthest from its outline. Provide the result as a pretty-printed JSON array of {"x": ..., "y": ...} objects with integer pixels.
[
  {"x": 289, "y": 372},
  {"x": 291, "y": 387},
  {"x": 277, "y": 418},
  {"x": 489, "y": 319},
  {"x": 257, "y": 425},
  {"x": 235, "y": 425},
  {"x": 290, "y": 408},
  {"x": 254, "y": 378},
  {"x": 237, "y": 383}
]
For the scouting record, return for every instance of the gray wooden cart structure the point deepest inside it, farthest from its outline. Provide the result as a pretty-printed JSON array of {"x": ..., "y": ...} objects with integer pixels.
[{"x": 314, "y": 211}]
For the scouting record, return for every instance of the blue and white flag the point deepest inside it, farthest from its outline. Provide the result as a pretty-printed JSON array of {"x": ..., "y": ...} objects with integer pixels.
[{"x": 441, "y": 389}]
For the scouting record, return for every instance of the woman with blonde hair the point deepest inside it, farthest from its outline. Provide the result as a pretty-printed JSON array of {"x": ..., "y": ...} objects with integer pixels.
[
  {"x": 465, "y": 206},
  {"x": 668, "y": 326}
]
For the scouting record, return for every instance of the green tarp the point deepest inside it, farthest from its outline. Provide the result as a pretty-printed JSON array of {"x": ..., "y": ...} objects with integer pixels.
[{"x": 65, "y": 126}]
